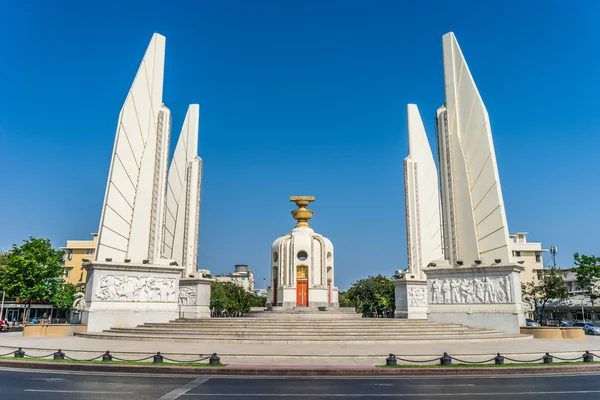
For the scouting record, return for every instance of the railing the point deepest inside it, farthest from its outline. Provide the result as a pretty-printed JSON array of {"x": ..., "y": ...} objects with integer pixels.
[
  {"x": 447, "y": 359},
  {"x": 213, "y": 359}
]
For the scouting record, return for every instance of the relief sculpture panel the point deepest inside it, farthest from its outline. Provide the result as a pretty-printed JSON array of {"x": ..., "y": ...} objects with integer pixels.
[
  {"x": 135, "y": 289},
  {"x": 417, "y": 297},
  {"x": 187, "y": 296},
  {"x": 471, "y": 291}
]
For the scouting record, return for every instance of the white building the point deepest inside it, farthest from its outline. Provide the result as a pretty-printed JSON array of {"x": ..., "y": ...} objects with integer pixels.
[
  {"x": 528, "y": 254},
  {"x": 302, "y": 265},
  {"x": 241, "y": 276}
]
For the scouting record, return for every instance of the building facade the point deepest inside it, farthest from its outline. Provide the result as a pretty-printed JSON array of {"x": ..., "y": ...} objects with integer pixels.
[
  {"x": 241, "y": 276},
  {"x": 528, "y": 254},
  {"x": 76, "y": 251}
]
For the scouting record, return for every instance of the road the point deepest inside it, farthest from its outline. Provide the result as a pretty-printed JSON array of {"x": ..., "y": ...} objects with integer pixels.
[{"x": 38, "y": 385}]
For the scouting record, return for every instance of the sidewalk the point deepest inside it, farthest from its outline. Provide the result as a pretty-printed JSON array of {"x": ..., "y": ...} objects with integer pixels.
[{"x": 306, "y": 354}]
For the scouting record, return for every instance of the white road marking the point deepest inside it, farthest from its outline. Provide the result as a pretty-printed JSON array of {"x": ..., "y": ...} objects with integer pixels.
[
  {"x": 322, "y": 395},
  {"x": 74, "y": 391},
  {"x": 177, "y": 393},
  {"x": 46, "y": 379}
]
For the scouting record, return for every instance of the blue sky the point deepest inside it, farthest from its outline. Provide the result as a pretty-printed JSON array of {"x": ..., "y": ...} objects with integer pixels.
[{"x": 300, "y": 98}]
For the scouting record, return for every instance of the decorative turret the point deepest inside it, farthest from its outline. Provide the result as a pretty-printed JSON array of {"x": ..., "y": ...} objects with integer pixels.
[
  {"x": 302, "y": 215},
  {"x": 302, "y": 265}
]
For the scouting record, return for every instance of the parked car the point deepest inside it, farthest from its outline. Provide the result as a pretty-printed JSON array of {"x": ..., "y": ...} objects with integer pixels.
[
  {"x": 588, "y": 327},
  {"x": 530, "y": 322}
]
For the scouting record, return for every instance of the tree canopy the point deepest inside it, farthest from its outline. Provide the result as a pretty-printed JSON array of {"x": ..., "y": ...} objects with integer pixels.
[
  {"x": 232, "y": 299},
  {"x": 550, "y": 285},
  {"x": 587, "y": 269},
  {"x": 373, "y": 296},
  {"x": 32, "y": 271}
]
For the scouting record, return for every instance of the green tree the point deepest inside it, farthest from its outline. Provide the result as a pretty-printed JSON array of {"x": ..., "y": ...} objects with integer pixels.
[
  {"x": 587, "y": 269},
  {"x": 64, "y": 296},
  {"x": 550, "y": 285},
  {"x": 373, "y": 296},
  {"x": 33, "y": 271},
  {"x": 232, "y": 299},
  {"x": 344, "y": 300}
]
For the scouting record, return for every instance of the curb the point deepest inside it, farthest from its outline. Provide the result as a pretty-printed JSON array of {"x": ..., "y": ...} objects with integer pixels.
[{"x": 260, "y": 370}]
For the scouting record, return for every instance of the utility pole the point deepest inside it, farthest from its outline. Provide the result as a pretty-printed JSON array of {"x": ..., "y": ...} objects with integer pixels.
[
  {"x": 2, "y": 307},
  {"x": 553, "y": 251}
]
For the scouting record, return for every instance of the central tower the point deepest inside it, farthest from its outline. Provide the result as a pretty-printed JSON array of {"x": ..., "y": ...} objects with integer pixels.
[{"x": 302, "y": 265}]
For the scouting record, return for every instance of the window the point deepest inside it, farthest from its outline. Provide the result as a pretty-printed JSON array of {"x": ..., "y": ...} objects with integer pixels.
[
  {"x": 517, "y": 254},
  {"x": 69, "y": 254},
  {"x": 521, "y": 238},
  {"x": 275, "y": 257},
  {"x": 68, "y": 273},
  {"x": 89, "y": 252},
  {"x": 302, "y": 255},
  {"x": 538, "y": 256}
]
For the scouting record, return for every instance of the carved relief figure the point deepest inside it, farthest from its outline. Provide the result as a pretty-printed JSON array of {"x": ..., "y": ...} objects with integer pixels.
[
  {"x": 446, "y": 292},
  {"x": 466, "y": 290},
  {"x": 507, "y": 286},
  {"x": 435, "y": 292},
  {"x": 479, "y": 290},
  {"x": 79, "y": 302},
  {"x": 455, "y": 284},
  {"x": 489, "y": 291}
]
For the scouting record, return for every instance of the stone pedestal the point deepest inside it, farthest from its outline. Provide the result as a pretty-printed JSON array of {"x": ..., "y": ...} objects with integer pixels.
[
  {"x": 477, "y": 296},
  {"x": 194, "y": 297},
  {"x": 125, "y": 295},
  {"x": 411, "y": 298}
]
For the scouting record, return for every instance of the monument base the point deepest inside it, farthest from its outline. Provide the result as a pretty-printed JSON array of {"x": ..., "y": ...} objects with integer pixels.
[
  {"x": 411, "y": 297},
  {"x": 125, "y": 295},
  {"x": 318, "y": 297},
  {"x": 477, "y": 296},
  {"x": 194, "y": 298}
]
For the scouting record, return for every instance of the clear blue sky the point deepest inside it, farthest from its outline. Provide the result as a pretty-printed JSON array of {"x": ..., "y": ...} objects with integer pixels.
[{"x": 300, "y": 98}]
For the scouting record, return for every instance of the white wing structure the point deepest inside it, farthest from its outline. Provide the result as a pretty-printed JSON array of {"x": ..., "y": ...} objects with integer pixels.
[
  {"x": 422, "y": 198},
  {"x": 182, "y": 216},
  {"x": 133, "y": 207},
  {"x": 475, "y": 226}
]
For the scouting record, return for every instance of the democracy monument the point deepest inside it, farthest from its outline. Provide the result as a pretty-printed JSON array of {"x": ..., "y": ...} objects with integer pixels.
[{"x": 460, "y": 275}]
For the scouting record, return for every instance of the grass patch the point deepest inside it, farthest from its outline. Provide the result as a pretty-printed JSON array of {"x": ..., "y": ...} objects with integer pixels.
[
  {"x": 488, "y": 365},
  {"x": 163, "y": 364}
]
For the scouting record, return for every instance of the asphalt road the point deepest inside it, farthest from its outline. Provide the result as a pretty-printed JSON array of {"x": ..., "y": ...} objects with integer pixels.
[{"x": 38, "y": 385}]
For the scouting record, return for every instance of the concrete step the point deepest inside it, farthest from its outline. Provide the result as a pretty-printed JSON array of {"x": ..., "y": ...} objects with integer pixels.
[
  {"x": 299, "y": 340},
  {"x": 340, "y": 335},
  {"x": 305, "y": 329}
]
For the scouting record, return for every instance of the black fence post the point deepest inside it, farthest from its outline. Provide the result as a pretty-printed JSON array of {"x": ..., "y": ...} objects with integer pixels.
[
  {"x": 19, "y": 353},
  {"x": 158, "y": 358},
  {"x": 106, "y": 356},
  {"x": 588, "y": 357},
  {"x": 59, "y": 355},
  {"x": 445, "y": 360},
  {"x": 499, "y": 359},
  {"x": 214, "y": 359},
  {"x": 548, "y": 359},
  {"x": 391, "y": 360}
]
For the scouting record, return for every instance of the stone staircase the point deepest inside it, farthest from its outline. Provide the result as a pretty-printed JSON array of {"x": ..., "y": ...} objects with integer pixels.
[{"x": 301, "y": 328}]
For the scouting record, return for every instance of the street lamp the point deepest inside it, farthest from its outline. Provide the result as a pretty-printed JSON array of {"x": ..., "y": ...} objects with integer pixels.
[
  {"x": 582, "y": 311},
  {"x": 264, "y": 283}
]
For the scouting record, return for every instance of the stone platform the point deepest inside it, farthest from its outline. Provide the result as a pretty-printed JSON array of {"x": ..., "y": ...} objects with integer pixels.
[{"x": 302, "y": 326}]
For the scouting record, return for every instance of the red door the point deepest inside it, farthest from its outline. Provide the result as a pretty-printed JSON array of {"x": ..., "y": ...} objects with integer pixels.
[
  {"x": 302, "y": 293},
  {"x": 274, "y": 292},
  {"x": 329, "y": 293}
]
